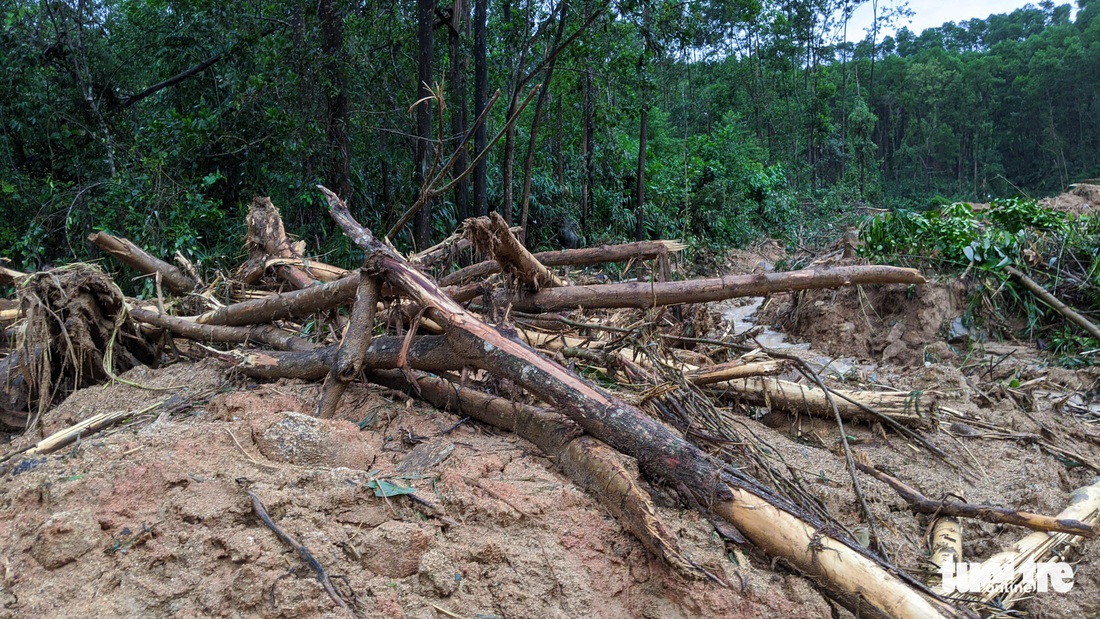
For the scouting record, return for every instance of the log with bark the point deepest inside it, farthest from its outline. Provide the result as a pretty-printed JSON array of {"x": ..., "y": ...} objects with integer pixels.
[
  {"x": 645, "y": 250},
  {"x": 645, "y": 295},
  {"x": 175, "y": 280}
]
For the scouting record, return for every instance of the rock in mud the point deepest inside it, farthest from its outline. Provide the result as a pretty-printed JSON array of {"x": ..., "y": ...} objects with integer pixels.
[
  {"x": 394, "y": 549},
  {"x": 439, "y": 571}
]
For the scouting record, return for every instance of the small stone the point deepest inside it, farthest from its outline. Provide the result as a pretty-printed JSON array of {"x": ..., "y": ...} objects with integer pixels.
[
  {"x": 958, "y": 332},
  {"x": 296, "y": 439},
  {"x": 394, "y": 549},
  {"x": 439, "y": 571},
  {"x": 426, "y": 455}
]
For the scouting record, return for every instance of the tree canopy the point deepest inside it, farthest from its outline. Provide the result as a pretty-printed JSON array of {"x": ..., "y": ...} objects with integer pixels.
[{"x": 161, "y": 120}]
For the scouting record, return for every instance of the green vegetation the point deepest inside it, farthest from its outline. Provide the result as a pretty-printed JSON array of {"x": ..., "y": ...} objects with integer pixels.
[
  {"x": 1062, "y": 251},
  {"x": 160, "y": 121}
]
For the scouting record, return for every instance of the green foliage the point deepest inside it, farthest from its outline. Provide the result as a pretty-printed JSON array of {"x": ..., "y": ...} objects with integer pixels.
[{"x": 1015, "y": 214}]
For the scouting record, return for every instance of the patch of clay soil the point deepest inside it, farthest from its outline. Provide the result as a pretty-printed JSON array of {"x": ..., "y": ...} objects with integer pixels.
[
  {"x": 152, "y": 520},
  {"x": 897, "y": 324},
  {"x": 1082, "y": 199}
]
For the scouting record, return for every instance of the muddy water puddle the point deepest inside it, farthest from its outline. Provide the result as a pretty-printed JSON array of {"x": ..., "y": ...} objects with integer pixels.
[{"x": 742, "y": 316}]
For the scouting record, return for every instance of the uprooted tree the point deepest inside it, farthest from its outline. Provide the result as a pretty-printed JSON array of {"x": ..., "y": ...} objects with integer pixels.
[{"x": 407, "y": 332}]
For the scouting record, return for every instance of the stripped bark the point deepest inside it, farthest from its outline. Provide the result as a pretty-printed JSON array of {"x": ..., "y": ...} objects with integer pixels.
[
  {"x": 645, "y": 295},
  {"x": 732, "y": 370},
  {"x": 855, "y": 578},
  {"x": 946, "y": 544},
  {"x": 491, "y": 235},
  {"x": 266, "y": 238},
  {"x": 138, "y": 259}
]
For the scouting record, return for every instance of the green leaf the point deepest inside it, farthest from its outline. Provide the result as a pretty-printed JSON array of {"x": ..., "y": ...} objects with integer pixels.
[{"x": 383, "y": 488}]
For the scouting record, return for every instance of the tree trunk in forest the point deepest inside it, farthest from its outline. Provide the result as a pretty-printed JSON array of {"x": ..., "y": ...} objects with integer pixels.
[
  {"x": 643, "y": 131},
  {"x": 425, "y": 14},
  {"x": 458, "y": 117},
  {"x": 587, "y": 186},
  {"x": 544, "y": 94},
  {"x": 336, "y": 121},
  {"x": 481, "y": 100}
]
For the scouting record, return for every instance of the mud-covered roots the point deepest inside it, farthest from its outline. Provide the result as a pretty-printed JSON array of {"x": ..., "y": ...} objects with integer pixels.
[{"x": 76, "y": 332}]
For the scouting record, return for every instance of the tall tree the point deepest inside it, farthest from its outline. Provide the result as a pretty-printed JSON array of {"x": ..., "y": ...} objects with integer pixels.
[
  {"x": 481, "y": 101},
  {"x": 425, "y": 21}
]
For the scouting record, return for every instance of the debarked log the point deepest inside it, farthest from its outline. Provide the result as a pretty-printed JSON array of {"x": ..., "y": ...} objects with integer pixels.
[
  {"x": 855, "y": 578},
  {"x": 645, "y": 295},
  {"x": 1006, "y": 569},
  {"x": 911, "y": 409}
]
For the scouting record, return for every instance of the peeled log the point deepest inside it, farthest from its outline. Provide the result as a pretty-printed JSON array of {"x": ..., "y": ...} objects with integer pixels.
[
  {"x": 905, "y": 408},
  {"x": 645, "y": 295}
]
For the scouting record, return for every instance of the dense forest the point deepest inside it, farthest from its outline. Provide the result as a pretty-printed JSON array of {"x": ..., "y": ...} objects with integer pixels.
[{"x": 586, "y": 121}]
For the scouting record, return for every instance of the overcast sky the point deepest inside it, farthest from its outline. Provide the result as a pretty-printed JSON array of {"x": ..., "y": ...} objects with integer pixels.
[{"x": 934, "y": 13}]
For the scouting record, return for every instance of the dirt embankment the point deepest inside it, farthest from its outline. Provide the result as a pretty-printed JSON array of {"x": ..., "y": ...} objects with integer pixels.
[{"x": 153, "y": 520}]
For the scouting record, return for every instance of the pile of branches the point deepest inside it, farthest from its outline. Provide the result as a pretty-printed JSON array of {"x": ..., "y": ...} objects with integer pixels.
[{"x": 608, "y": 399}]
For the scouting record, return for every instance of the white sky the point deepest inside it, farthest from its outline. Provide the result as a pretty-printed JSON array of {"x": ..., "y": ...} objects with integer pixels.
[{"x": 935, "y": 13}]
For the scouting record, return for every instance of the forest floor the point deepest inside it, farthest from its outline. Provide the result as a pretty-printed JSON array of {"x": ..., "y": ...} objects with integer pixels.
[{"x": 152, "y": 519}]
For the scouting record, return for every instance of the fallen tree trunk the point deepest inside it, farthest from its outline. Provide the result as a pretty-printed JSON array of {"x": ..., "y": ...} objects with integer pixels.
[
  {"x": 283, "y": 306},
  {"x": 192, "y": 330},
  {"x": 777, "y": 394},
  {"x": 1005, "y": 570},
  {"x": 645, "y": 250},
  {"x": 9, "y": 277},
  {"x": 853, "y": 577},
  {"x": 431, "y": 353},
  {"x": 353, "y": 345},
  {"x": 1055, "y": 303},
  {"x": 645, "y": 295},
  {"x": 175, "y": 280}
]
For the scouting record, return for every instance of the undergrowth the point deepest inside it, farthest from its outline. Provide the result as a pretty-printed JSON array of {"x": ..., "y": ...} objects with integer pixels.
[{"x": 1060, "y": 251}]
